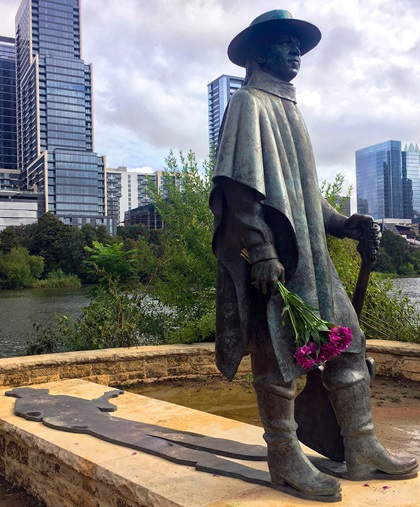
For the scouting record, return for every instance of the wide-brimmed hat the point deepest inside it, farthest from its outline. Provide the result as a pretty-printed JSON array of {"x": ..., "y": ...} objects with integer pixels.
[{"x": 268, "y": 25}]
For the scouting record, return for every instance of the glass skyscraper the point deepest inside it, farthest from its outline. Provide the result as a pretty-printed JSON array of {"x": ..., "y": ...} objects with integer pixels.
[
  {"x": 8, "y": 146},
  {"x": 54, "y": 113},
  {"x": 378, "y": 180},
  {"x": 411, "y": 182},
  {"x": 219, "y": 93}
]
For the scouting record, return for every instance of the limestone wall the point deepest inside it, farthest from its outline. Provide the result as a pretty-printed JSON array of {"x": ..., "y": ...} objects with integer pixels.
[
  {"x": 395, "y": 359},
  {"x": 147, "y": 364},
  {"x": 114, "y": 366}
]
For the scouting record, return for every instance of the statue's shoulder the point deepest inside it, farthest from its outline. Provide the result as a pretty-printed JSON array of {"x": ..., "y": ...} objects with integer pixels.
[
  {"x": 245, "y": 91},
  {"x": 247, "y": 96}
]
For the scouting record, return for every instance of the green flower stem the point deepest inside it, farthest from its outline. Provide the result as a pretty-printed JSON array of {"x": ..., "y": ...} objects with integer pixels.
[{"x": 305, "y": 322}]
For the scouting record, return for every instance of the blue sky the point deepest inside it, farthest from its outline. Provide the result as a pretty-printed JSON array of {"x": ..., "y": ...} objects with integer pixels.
[{"x": 153, "y": 59}]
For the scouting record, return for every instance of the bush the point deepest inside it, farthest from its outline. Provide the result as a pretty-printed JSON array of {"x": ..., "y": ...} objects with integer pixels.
[
  {"x": 64, "y": 282},
  {"x": 18, "y": 269}
]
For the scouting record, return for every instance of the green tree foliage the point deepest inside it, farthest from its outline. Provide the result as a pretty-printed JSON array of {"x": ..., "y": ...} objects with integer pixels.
[
  {"x": 110, "y": 262},
  {"x": 119, "y": 314},
  {"x": 18, "y": 269},
  {"x": 396, "y": 256},
  {"x": 186, "y": 279},
  {"x": 61, "y": 246},
  {"x": 157, "y": 288},
  {"x": 9, "y": 239}
]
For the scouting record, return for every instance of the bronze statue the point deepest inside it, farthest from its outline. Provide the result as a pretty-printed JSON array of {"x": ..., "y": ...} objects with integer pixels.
[{"x": 266, "y": 199}]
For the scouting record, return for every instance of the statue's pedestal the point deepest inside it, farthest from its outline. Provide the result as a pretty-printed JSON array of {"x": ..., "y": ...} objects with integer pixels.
[{"x": 75, "y": 470}]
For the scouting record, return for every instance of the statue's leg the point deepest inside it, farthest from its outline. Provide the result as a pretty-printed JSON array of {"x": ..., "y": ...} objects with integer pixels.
[
  {"x": 286, "y": 461},
  {"x": 347, "y": 379}
]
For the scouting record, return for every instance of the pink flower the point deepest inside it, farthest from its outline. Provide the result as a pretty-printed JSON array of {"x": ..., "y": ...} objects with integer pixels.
[
  {"x": 313, "y": 347},
  {"x": 328, "y": 350},
  {"x": 340, "y": 339},
  {"x": 303, "y": 358}
]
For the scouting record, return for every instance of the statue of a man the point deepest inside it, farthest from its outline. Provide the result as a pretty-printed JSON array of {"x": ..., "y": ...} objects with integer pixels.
[{"x": 266, "y": 199}]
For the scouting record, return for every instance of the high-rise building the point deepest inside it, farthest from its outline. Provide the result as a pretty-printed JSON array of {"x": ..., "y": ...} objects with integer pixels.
[
  {"x": 378, "y": 180},
  {"x": 219, "y": 93},
  {"x": 55, "y": 113},
  {"x": 9, "y": 174},
  {"x": 127, "y": 189},
  {"x": 411, "y": 182}
]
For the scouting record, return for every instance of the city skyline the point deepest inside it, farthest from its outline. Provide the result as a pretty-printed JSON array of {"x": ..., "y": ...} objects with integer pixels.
[
  {"x": 54, "y": 114},
  {"x": 388, "y": 181},
  {"x": 357, "y": 88}
]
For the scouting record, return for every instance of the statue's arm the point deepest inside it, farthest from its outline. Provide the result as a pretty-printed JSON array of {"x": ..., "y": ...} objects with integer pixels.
[
  {"x": 247, "y": 216},
  {"x": 340, "y": 226},
  {"x": 334, "y": 221}
]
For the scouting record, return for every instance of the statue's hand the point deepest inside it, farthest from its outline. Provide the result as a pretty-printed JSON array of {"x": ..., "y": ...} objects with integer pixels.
[
  {"x": 353, "y": 226},
  {"x": 265, "y": 275}
]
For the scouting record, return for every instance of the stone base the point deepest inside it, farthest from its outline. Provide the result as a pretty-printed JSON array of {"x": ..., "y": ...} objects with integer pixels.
[{"x": 74, "y": 470}]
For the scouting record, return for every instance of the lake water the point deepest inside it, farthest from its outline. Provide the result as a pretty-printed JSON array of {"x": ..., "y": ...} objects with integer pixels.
[
  {"x": 19, "y": 308},
  {"x": 411, "y": 288}
]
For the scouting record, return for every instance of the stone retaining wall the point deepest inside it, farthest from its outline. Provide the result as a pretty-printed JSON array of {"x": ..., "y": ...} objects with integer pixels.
[
  {"x": 395, "y": 359},
  {"x": 120, "y": 366},
  {"x": 124, "y": 366}
]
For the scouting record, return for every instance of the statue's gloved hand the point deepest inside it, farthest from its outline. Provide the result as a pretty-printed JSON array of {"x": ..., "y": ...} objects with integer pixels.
[
  {"x": 265, "y": 275},
  {"x": 354, "y": 229}
]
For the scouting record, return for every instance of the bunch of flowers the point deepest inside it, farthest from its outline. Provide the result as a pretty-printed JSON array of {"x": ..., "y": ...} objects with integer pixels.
[{"x": 316, "y": 340}]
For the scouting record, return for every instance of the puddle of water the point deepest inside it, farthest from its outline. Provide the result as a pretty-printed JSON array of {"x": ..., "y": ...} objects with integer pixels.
[{"x": 227, "y": 399}]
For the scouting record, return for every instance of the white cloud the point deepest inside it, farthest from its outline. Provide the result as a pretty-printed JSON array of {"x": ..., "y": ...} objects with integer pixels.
[{"x": 153, "y": 60}]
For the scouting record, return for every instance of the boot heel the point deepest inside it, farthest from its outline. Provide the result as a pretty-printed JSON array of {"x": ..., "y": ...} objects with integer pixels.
[
  {"x": 278, "y": 480},
  {"x": 358, "y": 472}
]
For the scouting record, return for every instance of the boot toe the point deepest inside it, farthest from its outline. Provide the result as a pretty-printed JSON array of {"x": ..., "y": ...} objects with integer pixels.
[{"x": 384, "y": 462}]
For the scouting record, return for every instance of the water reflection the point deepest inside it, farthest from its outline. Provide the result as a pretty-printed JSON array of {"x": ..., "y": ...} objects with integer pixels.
[
  {"x": 410, "y": 287},
  {"x": 19, "y": 308}
]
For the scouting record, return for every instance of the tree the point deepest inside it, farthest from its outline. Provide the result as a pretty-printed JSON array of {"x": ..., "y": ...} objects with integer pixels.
[
  {"x": 62, "y": 246},
  {"x": 8, "y": 239},
  {"x": 187, "y": 274},
  {"x": 110, "y": 262},
  {"x": 394, "y": 252},
  {"x": 18, "y": 268}
]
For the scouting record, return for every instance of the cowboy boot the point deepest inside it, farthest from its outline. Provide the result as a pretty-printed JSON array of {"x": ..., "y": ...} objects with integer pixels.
[
  {"x": 286, "y": 461},
  {"x": 363, "y": 452}
]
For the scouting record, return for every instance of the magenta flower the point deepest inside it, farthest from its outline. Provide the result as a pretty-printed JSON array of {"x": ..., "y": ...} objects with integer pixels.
[
  {"x": 303, "y": 357},
  {"x": 316, "y": 340},
  {"x": 328, "y": 345}
]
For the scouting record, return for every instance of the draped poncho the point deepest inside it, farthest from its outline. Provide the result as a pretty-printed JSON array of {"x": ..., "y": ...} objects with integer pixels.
[{"x": 264, "y": 146}]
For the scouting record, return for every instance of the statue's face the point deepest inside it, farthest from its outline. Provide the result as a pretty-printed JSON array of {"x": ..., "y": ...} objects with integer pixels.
[{"x": 281, "y": 58}]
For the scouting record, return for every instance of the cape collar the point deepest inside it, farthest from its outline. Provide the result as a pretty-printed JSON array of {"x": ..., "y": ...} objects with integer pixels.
[{"x": 270, "y": 84}]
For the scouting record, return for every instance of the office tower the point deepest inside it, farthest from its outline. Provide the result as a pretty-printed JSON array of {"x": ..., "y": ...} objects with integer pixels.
[
  {"x": 411, "y": 182},
  {"x": 54, "y": 113},
  {"x": 378, "y": 180},
  {"x": 127, "y": 189},
  {"x": 9, "y": 179},
  {"x": 219, "y": 93}
]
